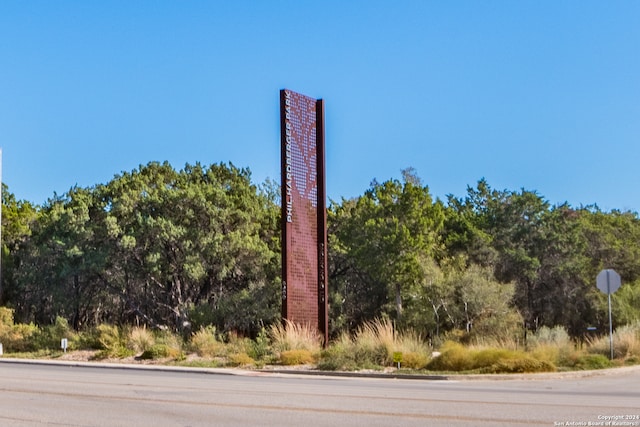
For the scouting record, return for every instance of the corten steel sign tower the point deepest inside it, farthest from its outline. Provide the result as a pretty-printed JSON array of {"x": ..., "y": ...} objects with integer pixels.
[{"x": 304, "y": 218}]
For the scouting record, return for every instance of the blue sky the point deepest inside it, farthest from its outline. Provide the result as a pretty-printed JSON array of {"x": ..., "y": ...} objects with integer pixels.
[{"x": 541, "y": 95}]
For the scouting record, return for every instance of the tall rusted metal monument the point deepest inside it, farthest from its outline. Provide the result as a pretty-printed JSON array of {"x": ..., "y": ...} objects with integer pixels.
[{"x": 304, "y": 217}]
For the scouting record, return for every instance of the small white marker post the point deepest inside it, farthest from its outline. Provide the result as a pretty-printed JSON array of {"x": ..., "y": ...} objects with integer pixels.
[{"x": 64, "y": 344}]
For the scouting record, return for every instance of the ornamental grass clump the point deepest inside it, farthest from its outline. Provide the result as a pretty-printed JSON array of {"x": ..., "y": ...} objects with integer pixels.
[
  {"x": 113, "y": 342},
  {"x": 552, "y": 345},
  {"x": 374, "y": 343},
  {"x": 140, "y": 339},
  {"x": 205, "y": 343},
  {"x": 293, "y": 336},
  {"x": 236, "y": 344},
  {"x": 626, "y": 343}
]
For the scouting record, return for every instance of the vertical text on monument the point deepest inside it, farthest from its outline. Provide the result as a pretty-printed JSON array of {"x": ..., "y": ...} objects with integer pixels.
[{"x": 304, "y": 261}]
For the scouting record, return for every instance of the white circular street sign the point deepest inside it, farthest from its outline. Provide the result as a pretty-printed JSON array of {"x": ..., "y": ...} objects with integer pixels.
[{"x": 608, "y": 281}]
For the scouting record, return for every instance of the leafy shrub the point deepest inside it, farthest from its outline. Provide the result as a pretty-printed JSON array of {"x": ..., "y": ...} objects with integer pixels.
[
  {"x": 502, "y": 327},
  {"x": 240, "y": 359},
  {"x": 330, "y": 361},
  {"x": 161, "y": 351},
  {"x": 633, "y": 360},
  {"x": 89, "y": 339},
  {"x": 113, "y": 342},
  {"x": 18, "y": 338},
  {"x": 296, "y": 357},
  {"x": 49, "y": 337},
  {"x": 202, "y": 316},
  {"x": 413, "y": 360},
  {"x": 521, "y": 365},
  {"x": 340, "y": 355},
  {"x": 171, "y": 340},
  {"x": 15, "y": 338},
  {"x": 453, "y": 357},
  {"x": 6, "y": 317},
  {"x": 589, "y": 362},
  {"x": 260, "y": 347},
  {"x": 235, "y": 344}
]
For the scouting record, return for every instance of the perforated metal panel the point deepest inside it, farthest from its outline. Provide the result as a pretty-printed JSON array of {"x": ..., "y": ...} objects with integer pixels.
[{"x": 303, "y": 210}]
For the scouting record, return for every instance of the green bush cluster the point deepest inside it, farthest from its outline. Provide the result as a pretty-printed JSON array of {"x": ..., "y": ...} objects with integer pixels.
[
  {"x": 374, "y": 346},
  {"x": 296, "y": 357},
  {"x": 241, "y": 359},
  {"x": 589, "y": 362},
  {"x": 161, "y": 351},
  {"x": 15, "y": 337},
  {"x": 458, "y": 358}
]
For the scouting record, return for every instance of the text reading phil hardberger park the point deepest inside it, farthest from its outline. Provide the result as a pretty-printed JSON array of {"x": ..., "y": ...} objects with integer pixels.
[{"x": 304, "y": 237}]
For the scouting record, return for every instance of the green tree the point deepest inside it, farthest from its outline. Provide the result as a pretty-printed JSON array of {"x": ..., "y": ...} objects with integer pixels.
[
  {"x": 484, "y": 305},
  {"x": 186, "y": 239},
  {"x": 541, "y": 249},
  {"x": 18, "y": 217},
  {"x": 379, "y": 242},
  {"x": 151, "y": 245}
]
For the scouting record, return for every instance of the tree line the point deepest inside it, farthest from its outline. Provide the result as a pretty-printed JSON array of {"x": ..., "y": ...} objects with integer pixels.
[{"x": 184, "y": 249}]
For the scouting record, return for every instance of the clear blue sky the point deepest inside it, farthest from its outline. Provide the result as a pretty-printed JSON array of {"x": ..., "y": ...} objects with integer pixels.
[{"x": 541, "y": 95}]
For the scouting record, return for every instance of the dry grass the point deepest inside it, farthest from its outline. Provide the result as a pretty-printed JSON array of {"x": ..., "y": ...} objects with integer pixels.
[
  {"x": 553, "y": 345},
  {"x": 140, "y": 339},
  {"x": 379, "y": 342},
  {"x": 374, "y": 343},
  {"x": 205, "y": 343},
  {"x": 294, "y": 336},
  {"x": 626, "y": 343},
  {"x": 374, "y": 346}
]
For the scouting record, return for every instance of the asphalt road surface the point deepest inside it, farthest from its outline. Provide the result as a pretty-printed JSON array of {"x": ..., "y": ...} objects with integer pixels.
[{"x": 54, "y": 395}]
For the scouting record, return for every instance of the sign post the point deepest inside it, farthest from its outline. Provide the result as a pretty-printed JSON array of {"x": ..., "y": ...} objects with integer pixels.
[{"x": 608, "y": 281}]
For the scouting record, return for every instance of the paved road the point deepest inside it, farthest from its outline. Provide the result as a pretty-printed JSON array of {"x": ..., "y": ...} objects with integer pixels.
[{"x": 35, "y": 395}]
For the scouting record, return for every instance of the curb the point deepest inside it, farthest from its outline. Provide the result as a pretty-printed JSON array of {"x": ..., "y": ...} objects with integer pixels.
[
  {"x": 464, "y": 377},
  {"x": 125, "y": 366},
  {"x": 335, "y": 374}
]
